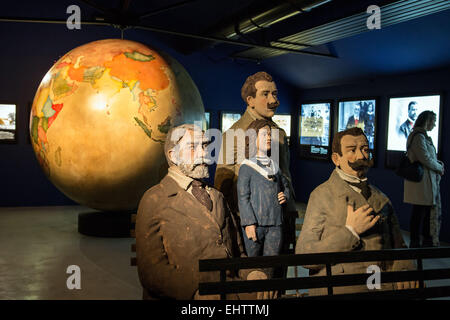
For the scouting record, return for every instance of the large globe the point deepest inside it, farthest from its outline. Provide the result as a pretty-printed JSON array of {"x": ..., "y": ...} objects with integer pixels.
[{"x": 100, "y": 117}]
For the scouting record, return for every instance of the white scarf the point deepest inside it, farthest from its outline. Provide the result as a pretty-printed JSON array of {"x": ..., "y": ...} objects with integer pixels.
[{"x": 271, "y": 167}]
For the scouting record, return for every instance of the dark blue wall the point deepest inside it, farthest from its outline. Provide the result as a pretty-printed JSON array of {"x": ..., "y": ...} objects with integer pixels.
[
  {"x": 309, "y": 174},
  {"x": 28, "y": 52}
]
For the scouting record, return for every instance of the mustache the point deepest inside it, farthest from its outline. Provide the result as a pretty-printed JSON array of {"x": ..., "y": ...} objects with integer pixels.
[
  {"x": 361, "y": 164},
  {"x": 273, "y": 105},
  {"x": 200, "y": 161},
  {"x": 197, "y": 162}
]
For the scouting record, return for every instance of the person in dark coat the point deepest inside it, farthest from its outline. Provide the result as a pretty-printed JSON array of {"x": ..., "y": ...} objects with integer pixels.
[
  {"x": 181, "y": 221},
  {"x": 262, "y": 190},
  {"x": 425, "y": 195}
]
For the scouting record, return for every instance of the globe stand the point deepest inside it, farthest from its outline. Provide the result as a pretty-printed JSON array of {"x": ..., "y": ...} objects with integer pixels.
[{"x": 105, "y": 224}]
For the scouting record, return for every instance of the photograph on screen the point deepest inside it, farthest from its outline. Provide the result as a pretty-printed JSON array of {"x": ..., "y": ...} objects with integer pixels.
[
  {"x": 284, "y": 122},
  {"x": 358, "y": 113},
  {"x": 315, "y": 124},
  {"x": 7, "y": 122},
  {"x": 403, "y": 113},
  {"x": 207, "y": 122},
  {"x": 228, "y": 119}
]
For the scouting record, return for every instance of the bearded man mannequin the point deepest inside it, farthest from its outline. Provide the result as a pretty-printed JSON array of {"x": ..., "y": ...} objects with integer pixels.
[
  {"x": 181, "y": 220},
  {"x": 346, "y": 213}
]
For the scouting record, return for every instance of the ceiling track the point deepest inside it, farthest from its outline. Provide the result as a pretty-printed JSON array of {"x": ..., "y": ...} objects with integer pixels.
[
  {"x": 391, "y": 14},
  {"x": 164, "y": 31}
]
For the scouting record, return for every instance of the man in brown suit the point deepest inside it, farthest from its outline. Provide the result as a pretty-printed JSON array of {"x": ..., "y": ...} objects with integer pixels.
[
  {"x": 181, "y": 221},
  {"x": 259, "y": 92},
  {"x": 333, "y": 224}
]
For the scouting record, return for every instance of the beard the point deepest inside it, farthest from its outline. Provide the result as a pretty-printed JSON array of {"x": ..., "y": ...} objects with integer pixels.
[
  {"x": 196, "y": 170},
  {"x": 361, "y": 166}
]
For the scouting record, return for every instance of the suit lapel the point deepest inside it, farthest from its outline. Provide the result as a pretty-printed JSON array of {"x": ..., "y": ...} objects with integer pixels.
[
  {"x": 376, "y": 200},
  {"x": 185, "y": 203}
]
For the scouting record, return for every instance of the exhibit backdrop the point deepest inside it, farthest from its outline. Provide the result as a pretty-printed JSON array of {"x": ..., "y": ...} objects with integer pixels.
[{"x": 398, "y": 115}]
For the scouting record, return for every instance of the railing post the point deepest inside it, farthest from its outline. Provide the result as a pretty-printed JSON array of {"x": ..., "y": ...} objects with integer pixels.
[
  {"x": 330, "y": 287},
  {"x": 420, "y": 268},
  {"x": 223, "y": 277}
]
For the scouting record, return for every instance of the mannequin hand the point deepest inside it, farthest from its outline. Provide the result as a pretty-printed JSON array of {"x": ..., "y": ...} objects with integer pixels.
[
  {"x": 407, "y": 285},
  {"x": 361, "y": 220},
  {"x": 250, "y": 231},
  {"x": 281, "y": 198}
]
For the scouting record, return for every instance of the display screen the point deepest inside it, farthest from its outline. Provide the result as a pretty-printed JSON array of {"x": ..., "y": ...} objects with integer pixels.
[
  {"x": 359, "y": 113},
  {"x": 228, "y": 119},
  {"x": 315, "y": 129},
  {"x": 7, "y": 122},
  {"x": 284, "y": 122},
  {"x": 403, "y": 113}
]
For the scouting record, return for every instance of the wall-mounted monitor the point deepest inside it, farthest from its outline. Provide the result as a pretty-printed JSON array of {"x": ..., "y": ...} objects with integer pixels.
[
  {"x": 359, "y": 113},
  {"x": 284, "y": 122},
  {"x": 403, "y": 112},
  {"x": 8, "y": 114},
  {"x": 314, "y": 130},
  {"x": 227, "y": 119}
]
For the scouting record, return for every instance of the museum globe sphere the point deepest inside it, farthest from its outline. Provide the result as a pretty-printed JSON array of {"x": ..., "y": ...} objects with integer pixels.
[{"x": 100, "y": 117}]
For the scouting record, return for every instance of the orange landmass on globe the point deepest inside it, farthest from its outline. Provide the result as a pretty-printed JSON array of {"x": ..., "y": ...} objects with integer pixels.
[
  {"x": 150, "y": 74},
  {"x": 76, "y": 74}
]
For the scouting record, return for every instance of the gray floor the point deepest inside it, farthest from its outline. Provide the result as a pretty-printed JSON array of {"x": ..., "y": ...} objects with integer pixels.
[{"x": 38, "y": 244}]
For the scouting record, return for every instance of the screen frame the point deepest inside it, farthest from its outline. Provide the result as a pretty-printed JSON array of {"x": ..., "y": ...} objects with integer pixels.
[
  {"x": 309, "y": 156},
  {"x": 377, "y": 108},
  {"x": 15, "y": 131},
  {"x": 227, "y": 111},
  {"x": 394, "y": 155}
]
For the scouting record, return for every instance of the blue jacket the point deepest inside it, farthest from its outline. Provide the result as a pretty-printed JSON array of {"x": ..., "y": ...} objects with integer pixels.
[{"x": 258, "y": 195}]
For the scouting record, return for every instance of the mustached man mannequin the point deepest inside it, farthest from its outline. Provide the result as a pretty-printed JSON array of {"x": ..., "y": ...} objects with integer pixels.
[{"x": 346, "y": 213}]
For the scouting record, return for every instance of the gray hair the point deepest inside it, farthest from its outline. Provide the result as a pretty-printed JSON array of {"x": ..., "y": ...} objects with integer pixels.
[{"x": 174, "y": 136}]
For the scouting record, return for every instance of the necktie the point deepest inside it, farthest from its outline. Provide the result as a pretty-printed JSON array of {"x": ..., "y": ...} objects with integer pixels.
[
  {"x": 201, "y": 194},
  {"x": 364, "y": 187}
]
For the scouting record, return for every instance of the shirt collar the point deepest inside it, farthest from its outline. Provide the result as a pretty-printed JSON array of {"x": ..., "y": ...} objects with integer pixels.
[
  {"x": 180, "y": 178},
  {"x": 348, "y": 177}
]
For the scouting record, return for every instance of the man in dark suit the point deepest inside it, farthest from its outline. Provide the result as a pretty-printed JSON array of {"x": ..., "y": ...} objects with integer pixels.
[
  {"x": 355, "y": 120},
  {"x": 406, "y": 127},
  {"x": 181, "y": 220}
]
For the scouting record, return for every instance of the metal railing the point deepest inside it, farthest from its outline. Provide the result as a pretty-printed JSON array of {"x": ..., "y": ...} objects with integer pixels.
[{"x": 329, "y": 281}]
